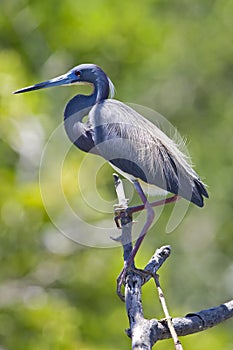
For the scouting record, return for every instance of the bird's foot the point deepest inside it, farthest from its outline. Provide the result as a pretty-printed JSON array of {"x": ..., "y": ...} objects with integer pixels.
[
  {"x": 117, "y": 219},
  {"x": 120, "y": 283},
  {"x": 143, "y": 273},
  {"x": 122, "y": 277},
  {"x": 120, "y": 213}
]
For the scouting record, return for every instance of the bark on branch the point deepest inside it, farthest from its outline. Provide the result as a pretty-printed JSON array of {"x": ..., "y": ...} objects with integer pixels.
[{"x": 197, "y": 321}]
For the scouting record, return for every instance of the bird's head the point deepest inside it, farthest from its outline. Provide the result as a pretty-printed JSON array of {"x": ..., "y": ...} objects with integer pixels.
[{"x": 82, "y": 74}]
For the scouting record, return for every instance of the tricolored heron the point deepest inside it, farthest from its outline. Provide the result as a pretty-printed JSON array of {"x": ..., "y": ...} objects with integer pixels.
[{"x": 133, "y": 145}]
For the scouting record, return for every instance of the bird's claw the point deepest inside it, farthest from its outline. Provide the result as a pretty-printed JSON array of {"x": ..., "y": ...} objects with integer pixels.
[
  {"x": 120, "y": 282},
  {"x": 117, "y": 219},
  {"x": 120, "y": 212},
  {"x": 143, "y": 273},
  {"x": 122, "y": 276}
]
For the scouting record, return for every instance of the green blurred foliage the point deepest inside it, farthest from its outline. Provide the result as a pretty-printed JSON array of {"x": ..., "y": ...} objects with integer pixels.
[{"x": 172, "y": 56}]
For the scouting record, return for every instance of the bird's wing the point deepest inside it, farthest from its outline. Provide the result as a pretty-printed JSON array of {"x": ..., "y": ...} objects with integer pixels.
[
  {"x": 85, "y": 140},
  {"x": 139, "y": 148},
  {"x": 81, "y": 135}
]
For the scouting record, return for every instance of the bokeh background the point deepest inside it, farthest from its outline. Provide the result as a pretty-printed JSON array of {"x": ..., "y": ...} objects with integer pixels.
[{"x": 173, "y": 56}]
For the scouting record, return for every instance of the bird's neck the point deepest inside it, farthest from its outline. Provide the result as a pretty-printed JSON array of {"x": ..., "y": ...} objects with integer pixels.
[
  {"x": 80, "y": 105},
  {"x": 76, "y": 109}
]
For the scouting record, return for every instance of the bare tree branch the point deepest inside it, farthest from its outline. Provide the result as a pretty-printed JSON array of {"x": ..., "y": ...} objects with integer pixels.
[
  {"x": 142, "y": 330},
  {"x": 145, "y": 333},
  {"x": 197, "y": 321}
]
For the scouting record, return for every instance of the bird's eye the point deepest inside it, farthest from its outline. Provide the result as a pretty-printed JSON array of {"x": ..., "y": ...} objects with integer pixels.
[{"x": 77, "y": 73}]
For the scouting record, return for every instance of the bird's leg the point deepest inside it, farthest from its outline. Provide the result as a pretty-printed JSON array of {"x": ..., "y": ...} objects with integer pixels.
[
  {"x": 172, "y": 199},
  {"x": 149, "y": 220},
  {"x": 150, "y": 217},
  {"x": 138, "y": 208}
]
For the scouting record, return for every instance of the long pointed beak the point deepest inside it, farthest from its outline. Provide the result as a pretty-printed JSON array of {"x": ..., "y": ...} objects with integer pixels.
[{"x": 61, "y": 80}]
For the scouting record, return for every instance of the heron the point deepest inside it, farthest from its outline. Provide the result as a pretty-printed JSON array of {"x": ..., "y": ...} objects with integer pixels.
[{"x": 133, "y": 145}]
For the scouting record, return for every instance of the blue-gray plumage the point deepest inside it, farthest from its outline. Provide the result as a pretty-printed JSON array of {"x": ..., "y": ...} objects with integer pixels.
[{"x": 131, "y": 143}]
